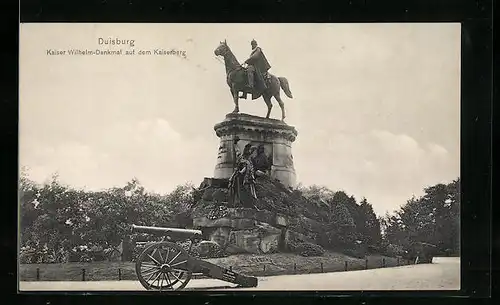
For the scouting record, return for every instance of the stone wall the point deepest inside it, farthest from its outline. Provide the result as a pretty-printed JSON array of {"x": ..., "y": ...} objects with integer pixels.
[{"x": 240, "y": 230}]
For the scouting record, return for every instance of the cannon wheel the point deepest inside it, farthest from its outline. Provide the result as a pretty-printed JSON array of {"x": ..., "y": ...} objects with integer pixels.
[{"x": 164, "y": 266}]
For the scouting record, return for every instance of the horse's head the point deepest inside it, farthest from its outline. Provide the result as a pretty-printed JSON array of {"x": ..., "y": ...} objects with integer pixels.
[{"x": 221, "y": 49}]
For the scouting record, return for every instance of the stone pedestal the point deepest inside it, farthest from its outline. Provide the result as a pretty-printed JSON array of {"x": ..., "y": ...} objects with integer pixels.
[
  {"x": 276, "y": 137},
  {"x": 245, "y": 230}
]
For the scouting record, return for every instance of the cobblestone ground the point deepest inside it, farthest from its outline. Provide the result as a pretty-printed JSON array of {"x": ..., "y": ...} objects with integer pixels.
[{"x": 443, "y": 274}]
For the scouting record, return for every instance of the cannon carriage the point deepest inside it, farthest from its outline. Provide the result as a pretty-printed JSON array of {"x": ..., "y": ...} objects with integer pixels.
[{"x": 166, "y": 266}]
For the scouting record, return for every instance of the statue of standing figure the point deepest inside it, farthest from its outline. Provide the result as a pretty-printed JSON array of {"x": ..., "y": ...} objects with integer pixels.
[
  {"x": 261, "y": 162},
  {"x": 243, "y": 177}
]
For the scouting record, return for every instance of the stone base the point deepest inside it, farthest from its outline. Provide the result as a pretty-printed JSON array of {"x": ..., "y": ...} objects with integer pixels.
[
  {"x": 275, "y": 136},
  {"x": 243, "y": 230},
  {"x": 279, "y": 221}
]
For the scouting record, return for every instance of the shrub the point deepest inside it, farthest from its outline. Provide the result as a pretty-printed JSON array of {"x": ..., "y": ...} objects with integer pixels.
[
  {"x": 217, "y": 212},
  {"x": 372, "y": 249},
  {"x": 208, "y": 249},
  {"x": 306, "y": 249},
  {"x": 220, "y": 195},
  {"x": 28, "y": 255},
  {"x": 42, "y": 255},
  {"x": 208, "y": 195},
  {"x": 395, "y": 250},
  {"x": 355, "y": 252}
]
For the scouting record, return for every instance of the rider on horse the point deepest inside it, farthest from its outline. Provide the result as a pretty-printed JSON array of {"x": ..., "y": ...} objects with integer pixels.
[
  {"x": 257, "y": 66},
  {"x": 258, "y": 82}
]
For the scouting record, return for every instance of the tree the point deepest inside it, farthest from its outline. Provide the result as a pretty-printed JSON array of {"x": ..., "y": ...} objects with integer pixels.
[
  {"x": 347, "y": 222},
  {"x": 369, "y": 227},
  {"x": 28, "y": 204},
  {"x": 432, "y": 218},
  {"x": 316, "y": 193},
  {"x": 434, "y": 202},
  {"x": 342, "y": 228},
  {"x": 58, "y": 210},
  {"x": 452, "y": 203},
  {"x": 181, "y": 202}
]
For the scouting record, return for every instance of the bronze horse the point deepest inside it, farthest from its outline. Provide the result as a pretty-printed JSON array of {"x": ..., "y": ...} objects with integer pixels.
[{"x": 236, "y": 77}]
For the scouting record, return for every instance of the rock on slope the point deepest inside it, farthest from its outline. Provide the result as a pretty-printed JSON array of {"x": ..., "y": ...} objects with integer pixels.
[{"x": 285, "y": 220}]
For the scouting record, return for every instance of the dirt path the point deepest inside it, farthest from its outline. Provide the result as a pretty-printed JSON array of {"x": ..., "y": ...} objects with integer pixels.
[{"x": 442, "y": 275}]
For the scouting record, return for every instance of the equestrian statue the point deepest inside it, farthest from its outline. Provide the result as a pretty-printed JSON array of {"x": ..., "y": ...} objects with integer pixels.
[{"x": 253, "y": 79}]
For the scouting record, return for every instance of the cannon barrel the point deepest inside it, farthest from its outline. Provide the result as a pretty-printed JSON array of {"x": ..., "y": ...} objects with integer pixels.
[{"x": 175, "y": 233}]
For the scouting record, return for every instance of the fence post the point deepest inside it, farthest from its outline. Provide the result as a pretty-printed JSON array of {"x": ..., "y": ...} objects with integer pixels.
[
  {"x": 83, "y": 274},
  {"x": 294, "y": 267},
  {"x": 366, "y": 262},
  {"x": 398, "y": 260},
  {"x": 119, "y": 274},
  {"x": 37, "y": 274},
  {"x": 383, "y": 262},
  {"x": 345, "y": 265},
  {"x": 322, "y": 267}
]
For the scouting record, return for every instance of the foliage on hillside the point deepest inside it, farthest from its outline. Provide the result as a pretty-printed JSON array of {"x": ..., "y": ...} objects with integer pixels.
[
  {"x": 338, "y": 222},
  {"x": 59, "y": 223}
]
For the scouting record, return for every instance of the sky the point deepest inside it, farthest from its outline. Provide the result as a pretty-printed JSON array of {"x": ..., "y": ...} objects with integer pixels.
[{"x": 376, "y": 106}]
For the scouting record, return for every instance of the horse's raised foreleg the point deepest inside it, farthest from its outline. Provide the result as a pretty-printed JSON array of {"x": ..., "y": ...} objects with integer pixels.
[{"x": 234, "y": 92}]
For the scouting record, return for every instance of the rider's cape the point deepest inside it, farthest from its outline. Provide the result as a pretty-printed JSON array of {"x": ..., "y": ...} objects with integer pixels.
[{"x": 259, "y": 60}]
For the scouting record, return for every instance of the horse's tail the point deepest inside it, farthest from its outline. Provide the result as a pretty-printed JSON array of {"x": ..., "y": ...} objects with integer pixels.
[{"x": 284, "y": 85}]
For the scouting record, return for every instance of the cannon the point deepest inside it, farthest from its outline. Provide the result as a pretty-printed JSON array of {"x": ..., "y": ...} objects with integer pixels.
[{"x": 166, "y": 266}]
